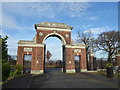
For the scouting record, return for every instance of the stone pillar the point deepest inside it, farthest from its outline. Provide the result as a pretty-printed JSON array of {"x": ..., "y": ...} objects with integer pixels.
[
  {"x": 38, "y": 62},
  {"x": 118, "y": 59},
  {"x": 20, "y": 55},
  {"x": 69, "y": 60},
  {"x": 83, "y": 64},
  {"x": 91, "y": 58}
]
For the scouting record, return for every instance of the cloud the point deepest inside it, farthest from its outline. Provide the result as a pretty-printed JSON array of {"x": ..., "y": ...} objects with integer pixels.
[
  {"x": 55, "y": 47},
  {"x": 48, "y": 10},
  {"x": 12, "y": 46},
  {"x": 86, "y": 26},
  {"x": 61, "y": 1},
  {"x": 53, "y": 10},
  {"x": 98, "y": 30},
  {"x": 11, "y": 24},
  {"x": 94, "y": 18},
  {"x": 74, "y": 9},
  {"x": 15, "y": 32},
  {"x": 56, "y": 50},
  {"x": 46, "y": 0},
  {"x": 0, "y": 30}
]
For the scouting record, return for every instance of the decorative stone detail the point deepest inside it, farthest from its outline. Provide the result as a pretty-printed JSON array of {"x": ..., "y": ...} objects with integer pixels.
[
  {"x": 37, "y": 61},
  {"x": 27, "y": 49},
  {"x": 67, "y": 35},
  {"x": 70, "y": 62},
  {"x": 70, "y": 71},
  {"x": 25, "y": 42},
  {"x": 41, "y": 34},
  {"x": 32, "y": 45},
  {"x": 27, "y": 53},
  {"x": 75, "y": 46},
  {"x": 77, "y": 50},
  {"x": 37, "y": 72},
  {"x": 83, "y": 70},
  {"x": 54, "y": 31}
]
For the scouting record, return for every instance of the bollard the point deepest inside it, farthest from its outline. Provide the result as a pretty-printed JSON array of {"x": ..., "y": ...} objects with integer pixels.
[{"x": 110, "y": 72}]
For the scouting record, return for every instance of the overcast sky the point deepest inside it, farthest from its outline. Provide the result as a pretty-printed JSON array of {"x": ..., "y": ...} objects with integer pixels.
[{"x": 18, "y": 19}]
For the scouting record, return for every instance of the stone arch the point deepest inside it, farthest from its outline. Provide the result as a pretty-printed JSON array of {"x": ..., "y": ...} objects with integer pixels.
[{"x": 57, "y": 35}]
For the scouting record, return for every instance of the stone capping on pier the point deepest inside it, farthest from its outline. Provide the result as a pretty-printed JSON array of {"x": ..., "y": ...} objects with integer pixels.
[{"x": 53, "y": 25}]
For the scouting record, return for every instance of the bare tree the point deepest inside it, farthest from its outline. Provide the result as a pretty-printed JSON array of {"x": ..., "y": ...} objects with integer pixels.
[
  {"x": 88, "y": 40},
  {"x": 109, "y": 42},
  {"x": 48, "y": 55}
]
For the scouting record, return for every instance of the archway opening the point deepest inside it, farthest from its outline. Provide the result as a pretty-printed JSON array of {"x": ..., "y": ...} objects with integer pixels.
[
  {"x": 77, "y": 63},
  {"x": 53, "y": 59},
  {"x": 27, "y": 63}
]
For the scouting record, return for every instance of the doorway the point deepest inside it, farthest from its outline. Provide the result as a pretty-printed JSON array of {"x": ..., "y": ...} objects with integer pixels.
[
  {"x": 77, "y": 63},
  {"x": 27, "y": 63}
]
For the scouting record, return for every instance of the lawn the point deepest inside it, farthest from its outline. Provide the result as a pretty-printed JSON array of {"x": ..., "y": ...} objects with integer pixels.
[{"x": 103, "y": 72}]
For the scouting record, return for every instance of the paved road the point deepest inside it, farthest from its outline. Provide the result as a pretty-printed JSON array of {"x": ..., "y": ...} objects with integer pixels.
[
  {"x": 18, "y": 82},
  {"x": 57, "y": 79}
]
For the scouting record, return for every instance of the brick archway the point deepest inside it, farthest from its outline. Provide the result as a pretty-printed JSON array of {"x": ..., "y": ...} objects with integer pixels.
[
  {"x": 57, "y": 35},
  {"x": 37, "y": 47}
]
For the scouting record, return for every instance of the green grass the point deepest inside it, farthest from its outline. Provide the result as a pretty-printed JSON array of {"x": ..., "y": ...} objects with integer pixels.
[
  {"x": 53, "y": 66},
  {"x": 116, "y": 75}
]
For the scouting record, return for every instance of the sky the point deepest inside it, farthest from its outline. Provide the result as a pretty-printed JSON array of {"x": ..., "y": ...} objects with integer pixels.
[{"x": 18, "y": 19}]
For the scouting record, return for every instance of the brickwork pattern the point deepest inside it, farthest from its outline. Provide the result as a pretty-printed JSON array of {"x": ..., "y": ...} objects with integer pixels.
[
  {"x": 82, "y": 58},
  {"x": 91, "y": 62},
  {"x": 39, "y": 38},
  {"x": 118, "y": 60}
]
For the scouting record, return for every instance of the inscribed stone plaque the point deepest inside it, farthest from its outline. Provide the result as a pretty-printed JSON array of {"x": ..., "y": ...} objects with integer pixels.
[
  {"x": 77, "y": 50},
  {"x": 27, "y": 49}
]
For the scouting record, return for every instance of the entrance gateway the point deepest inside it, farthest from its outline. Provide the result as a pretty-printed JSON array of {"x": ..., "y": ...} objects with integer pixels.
[{"x": 36, "y": 48}]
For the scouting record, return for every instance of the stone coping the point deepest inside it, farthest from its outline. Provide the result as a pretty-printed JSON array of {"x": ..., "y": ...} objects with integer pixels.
[
  {"x": 25, "y": 42},
  {"x": 78, "y": 44},
  {"x": 53, "y": 25}
]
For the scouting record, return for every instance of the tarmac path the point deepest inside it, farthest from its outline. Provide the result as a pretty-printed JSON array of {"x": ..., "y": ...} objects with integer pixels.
[{"x": 57, "y": 79}]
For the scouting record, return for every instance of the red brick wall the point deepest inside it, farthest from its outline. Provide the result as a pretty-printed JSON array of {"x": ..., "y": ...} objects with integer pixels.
[
  {"x": 39, "y": 58},
  {"x": 117, "y": 60},
  {"x": 39, "y": 38},
  {"x": 69, "y": 58},
  {"x": 37, "y": 54},
  {"x": 91, "y": 62},
  {"x": 82, "y": 59},
  {"x": 20, "y": 55}
]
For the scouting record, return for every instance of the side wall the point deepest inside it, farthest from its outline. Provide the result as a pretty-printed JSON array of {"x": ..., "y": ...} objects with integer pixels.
[
  {"x": 69, "y": 60},
  {"x": 37, "y": 63}
]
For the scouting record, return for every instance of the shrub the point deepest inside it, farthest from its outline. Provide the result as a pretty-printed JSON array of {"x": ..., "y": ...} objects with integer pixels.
[
  {"x": 12, "y": 73},
  {"x": 6, "y": 68},
  {"x": 18, "y": 69},
  {"x": 109, "y": 65}
]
